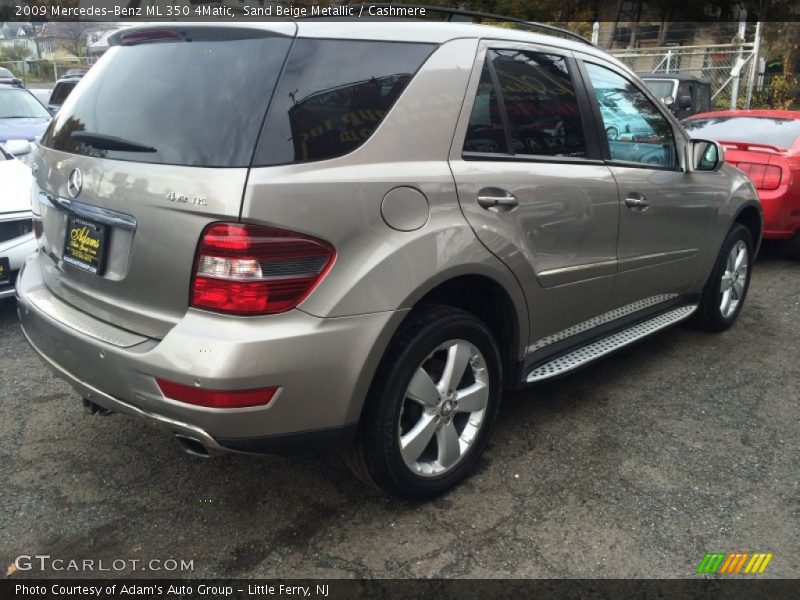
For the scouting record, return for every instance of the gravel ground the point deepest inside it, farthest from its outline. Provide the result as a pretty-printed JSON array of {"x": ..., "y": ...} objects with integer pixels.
[{"x": 634, "y": 467}]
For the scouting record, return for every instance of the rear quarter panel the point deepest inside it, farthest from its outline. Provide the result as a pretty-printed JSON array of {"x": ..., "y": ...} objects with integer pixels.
[{"x": 378, "y": 268}]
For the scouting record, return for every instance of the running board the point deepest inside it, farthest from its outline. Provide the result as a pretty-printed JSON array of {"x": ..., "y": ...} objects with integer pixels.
[{"x": 609, "y": 344}]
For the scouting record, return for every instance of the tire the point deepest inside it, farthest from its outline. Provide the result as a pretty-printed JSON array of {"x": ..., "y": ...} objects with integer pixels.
[
  {"x": 714, "y": 314},
  {"x": 419, "y": 358}
]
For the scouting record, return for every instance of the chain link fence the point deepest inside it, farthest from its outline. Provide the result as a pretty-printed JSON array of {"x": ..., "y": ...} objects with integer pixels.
[
  {"x": 45, "y": 71},
  {"x": 730, "y": 68}
]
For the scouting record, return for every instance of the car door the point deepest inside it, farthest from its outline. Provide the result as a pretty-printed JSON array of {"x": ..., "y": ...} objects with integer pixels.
[
  {"x": 531, "y": 182},
  {"x": 665, "y": 210}
]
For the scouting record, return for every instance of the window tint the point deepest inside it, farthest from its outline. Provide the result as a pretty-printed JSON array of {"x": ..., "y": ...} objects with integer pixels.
[
  {"x": 540, "y": 102},
  {"x": 636, "y": 129},
  {"x": 61, "y": 92},
  {"x": 198, "y": 103},
  {"x": 757, "y": 130},
  {"x": 485, "y": 132},
  {"x": 333, "y": 95}
]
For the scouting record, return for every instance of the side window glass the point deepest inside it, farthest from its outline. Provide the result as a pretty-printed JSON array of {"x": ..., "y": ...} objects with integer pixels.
[
  {"x": 485, "y": 132},
  {"x": 539, "y": 98},
  {"x": 332, "y": 96},
  {"x": 635, "y": 128},
  {"x": 540, "y": 102}
]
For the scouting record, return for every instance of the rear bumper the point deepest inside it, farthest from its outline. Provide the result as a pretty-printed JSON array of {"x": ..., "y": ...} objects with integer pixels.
[
  {"x": 781, "y": 215},
  {"x": 323, "y": 368}
]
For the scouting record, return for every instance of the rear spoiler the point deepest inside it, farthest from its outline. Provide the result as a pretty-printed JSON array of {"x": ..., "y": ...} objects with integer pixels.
[{"x": 755, "y": 147}]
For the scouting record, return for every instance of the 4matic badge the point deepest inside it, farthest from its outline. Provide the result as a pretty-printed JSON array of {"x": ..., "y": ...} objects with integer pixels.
[{"x": 186, "y": 199}]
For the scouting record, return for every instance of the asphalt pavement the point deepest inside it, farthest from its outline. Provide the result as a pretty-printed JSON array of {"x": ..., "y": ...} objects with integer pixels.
[{"x": 636, "y": 466}]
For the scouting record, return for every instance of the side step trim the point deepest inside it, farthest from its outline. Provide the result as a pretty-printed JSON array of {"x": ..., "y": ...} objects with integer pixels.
[{"x": 609, "y": 344}]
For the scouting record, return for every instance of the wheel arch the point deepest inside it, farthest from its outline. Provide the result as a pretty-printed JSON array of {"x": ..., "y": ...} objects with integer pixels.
[
  {"x": 500, "y": 305},
  {"x": 751, "y": 217}
]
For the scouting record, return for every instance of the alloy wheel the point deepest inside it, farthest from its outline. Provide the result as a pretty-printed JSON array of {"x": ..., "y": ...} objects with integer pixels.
[
  {"x": 734, "y": 279},
  {"x": 443, "y": 408}
]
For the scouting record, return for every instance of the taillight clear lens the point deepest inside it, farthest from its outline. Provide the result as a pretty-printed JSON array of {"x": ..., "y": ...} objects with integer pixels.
[{"x": 251, "y": 269}]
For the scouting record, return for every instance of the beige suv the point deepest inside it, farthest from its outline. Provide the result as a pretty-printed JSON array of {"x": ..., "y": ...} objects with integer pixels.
[{"x": 271, "y": 237}]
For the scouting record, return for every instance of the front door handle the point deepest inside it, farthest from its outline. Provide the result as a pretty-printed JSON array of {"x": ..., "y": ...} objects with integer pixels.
[
  {"x": 636, "y": 200},
  {"x": 497, "y": 199}
]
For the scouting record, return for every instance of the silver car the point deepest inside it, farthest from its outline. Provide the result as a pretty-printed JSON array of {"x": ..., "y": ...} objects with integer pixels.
[
  {"x": 301, "y": 235},
  {"x": 17, "y": 239}
]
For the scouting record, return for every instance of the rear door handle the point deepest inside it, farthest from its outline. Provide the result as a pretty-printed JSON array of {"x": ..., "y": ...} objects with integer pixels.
[
  {"x": 636, "y": 200},
  {"x": 497, "y": 199}
]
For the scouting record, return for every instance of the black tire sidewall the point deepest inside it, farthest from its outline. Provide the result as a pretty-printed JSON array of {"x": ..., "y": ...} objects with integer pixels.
[
  {"x": 380, "y": 430},
  {"x": 713, "y": 292}
]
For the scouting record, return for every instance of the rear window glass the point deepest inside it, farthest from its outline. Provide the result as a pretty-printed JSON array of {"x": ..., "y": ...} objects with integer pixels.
[
  {"x": 61, "y": 92},
  {"x": 661, "y": 88},
  {"x": 757, "y": 130},
  {"x": 196, "y": 103},
  {"x": 333, "y": 95}
]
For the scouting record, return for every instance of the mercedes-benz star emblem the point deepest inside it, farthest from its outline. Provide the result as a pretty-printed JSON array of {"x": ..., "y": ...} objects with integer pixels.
[{"x": 75, "y": 183}]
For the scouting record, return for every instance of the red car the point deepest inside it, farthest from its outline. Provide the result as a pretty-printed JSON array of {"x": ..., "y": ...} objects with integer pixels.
[{"x": 765, "y": 144}]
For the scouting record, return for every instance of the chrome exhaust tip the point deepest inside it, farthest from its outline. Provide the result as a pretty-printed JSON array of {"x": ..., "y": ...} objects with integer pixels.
[
  {"x": 192, "y": 446},
  {"x": 90, "y": 408}
]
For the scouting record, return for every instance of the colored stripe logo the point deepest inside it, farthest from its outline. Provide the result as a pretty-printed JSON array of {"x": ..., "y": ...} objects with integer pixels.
[{"x": 727, "y": 563}]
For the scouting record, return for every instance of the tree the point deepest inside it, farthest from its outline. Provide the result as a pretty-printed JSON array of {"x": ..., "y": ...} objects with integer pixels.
[
  {"x": 71, "y": 36},
  {"x": 14, "y": 53}
]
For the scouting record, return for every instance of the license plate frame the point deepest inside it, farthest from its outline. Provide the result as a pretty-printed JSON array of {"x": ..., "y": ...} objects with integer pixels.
[{"x": 85, "y": 244}]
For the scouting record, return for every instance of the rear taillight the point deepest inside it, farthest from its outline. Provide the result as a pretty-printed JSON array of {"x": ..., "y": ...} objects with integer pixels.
[
  {"x": 254, "y": 270},
  {"x": 764, "y": 177},
  {"x": 134, "y": 38},
  {"x": 215, "y": 398}
]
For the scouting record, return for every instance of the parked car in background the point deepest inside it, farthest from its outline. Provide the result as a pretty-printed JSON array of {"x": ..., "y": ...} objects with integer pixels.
[
  {"x": 684, "y": 94},
  {"x": 9, "y": 78},
  {"x": 62, "y": 89},
  {"x": 42, "y": 94},
  {"x": 22, "y": 116},
  {"x": 765, "y": 144},
  {"x": 420, "y": 216},
  {"x": 76, "y": 72},
  {"x": 17, "y": 240}
]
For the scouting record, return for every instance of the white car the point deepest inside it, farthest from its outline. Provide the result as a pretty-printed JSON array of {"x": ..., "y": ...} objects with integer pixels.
[{"x": 17, "y": 239}]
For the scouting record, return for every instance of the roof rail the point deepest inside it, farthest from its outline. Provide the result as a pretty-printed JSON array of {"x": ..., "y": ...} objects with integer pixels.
[{"x": 476, "y": 17}]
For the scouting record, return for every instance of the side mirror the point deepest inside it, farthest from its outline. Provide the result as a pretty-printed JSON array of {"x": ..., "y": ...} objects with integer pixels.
[
  {"x": 668, "y": 100},
  {"x": 685, "y": 102},
  {"x": 18, "y": 147},
  {"x": 706, "y": 155}
]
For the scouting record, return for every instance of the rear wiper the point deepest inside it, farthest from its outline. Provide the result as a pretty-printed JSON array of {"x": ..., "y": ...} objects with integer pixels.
[{"x": 109, "y": 142}]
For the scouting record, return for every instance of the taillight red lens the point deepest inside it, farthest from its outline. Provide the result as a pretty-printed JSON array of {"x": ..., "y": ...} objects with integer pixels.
[
  {"x": 251, "y": 269},
  {"x": 216, "y": 398},
  {"x": 772, "y": 177},
  {"x": 764, "y": 177}
]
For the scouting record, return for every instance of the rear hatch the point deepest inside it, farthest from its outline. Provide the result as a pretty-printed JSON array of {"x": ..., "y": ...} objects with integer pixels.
[{"x": 152, "y": 146}]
